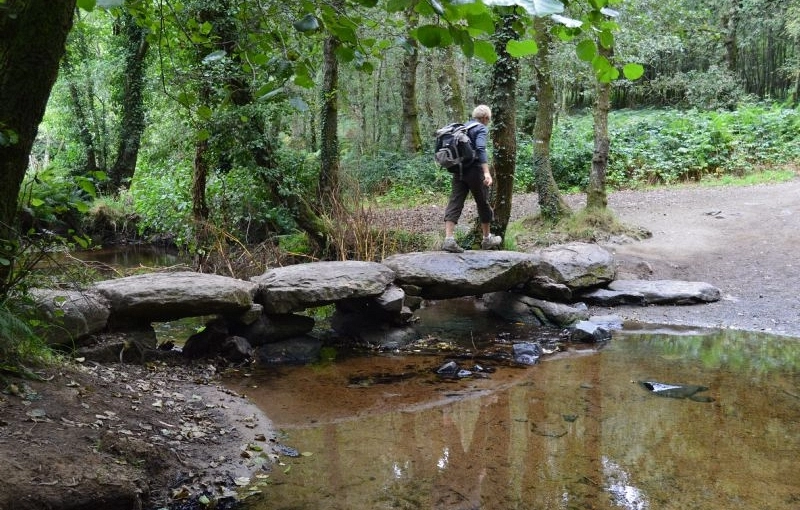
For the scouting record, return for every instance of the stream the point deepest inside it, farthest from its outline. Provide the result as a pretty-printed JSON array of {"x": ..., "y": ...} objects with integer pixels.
[{"x": 574, "y": 431}]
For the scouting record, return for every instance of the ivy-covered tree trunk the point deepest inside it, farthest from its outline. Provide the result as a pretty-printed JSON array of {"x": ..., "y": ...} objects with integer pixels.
[
  {"x": 199, "y": 179},
  {"x": 412, "y": 141},
  {"x": 329, "y": 146},
  {"x": 79, "y": 114},
  {"x": 76, "y": 72},
  {"x": 33, "y": 35},
  {"x": 551, "y": 206},
  {"x": 132, "y": 118},
  {"x": 505, "y": 75}
]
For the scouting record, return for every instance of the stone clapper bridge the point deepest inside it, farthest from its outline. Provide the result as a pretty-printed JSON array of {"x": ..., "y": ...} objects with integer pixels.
[{"x": 374, "y": 301}]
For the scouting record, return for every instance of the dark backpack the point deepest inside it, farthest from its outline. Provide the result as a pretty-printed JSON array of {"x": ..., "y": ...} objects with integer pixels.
[{"x": 454, "y": 148}]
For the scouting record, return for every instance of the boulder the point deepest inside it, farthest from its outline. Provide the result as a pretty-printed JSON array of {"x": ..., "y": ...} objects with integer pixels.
[
  {"x": 274, "y": 328},
  {"x": 294, "y": 288},
  {"x": 299, "y": 351},
  {"x": 589, "y": 332},
  {"x": 440, "y": 275},
  {"x": 517, "y": 307},
  {"x": 158, "y": 297},
  {"x": 576, "y": 265},
  {"x": 675, "y": 292},
  {"x": 69, "y": 315},
  {"x": 544, "y": 287}
]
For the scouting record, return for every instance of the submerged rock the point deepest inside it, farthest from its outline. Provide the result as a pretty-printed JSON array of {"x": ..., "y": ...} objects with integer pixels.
[
  {"x": 689, "y": 391},
  {"x": 527, "y": 353}
]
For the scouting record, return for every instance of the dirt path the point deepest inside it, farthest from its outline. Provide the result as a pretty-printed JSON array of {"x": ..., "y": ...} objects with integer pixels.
[{"x": 744, "y": 240}]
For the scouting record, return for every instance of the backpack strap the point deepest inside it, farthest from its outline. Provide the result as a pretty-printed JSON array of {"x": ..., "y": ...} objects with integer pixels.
[{"x": 468, "y": 126}]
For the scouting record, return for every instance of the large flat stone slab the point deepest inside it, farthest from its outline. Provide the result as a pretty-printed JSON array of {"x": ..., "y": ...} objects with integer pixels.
[
  {"x": 442, "y": 275},
  {"x": 171, "y": 296},
  {"x": 294, "y": 288},
  {"x": 664, "y": 292}
]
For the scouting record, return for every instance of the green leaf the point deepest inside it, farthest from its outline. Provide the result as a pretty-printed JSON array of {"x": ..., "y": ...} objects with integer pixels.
[
  {"x": 482, "y": 22},
  {"x": 82, "y": 242},
  {"x": 87, "y": 5},
  {"x": 186, "y": 98},
  {"x": 36, "y": 202},
  {"x": 468, "y": 46},
  {"x": 430, "y": 36},
  {"x": 206, "y": 28},
  {"x": 344, "y": 34},
  {"x": 633, "y": 71},
  {"x": 605, "y": 72},
  {"x": 586, "y": 50},
  {"x": 202, "y": 135},
  {"x": 109, "y": 4},
  {"x": 81, "y": 207},
  {"x": 86, "y": 185},
  {"x": 367, "y": 3},
  {"x": 308, "y": 23},
  {"x": 521, "y": 49},
  {"x": 484, "y": 50},
  {"x": 345, "y": 54},
  {"x": 606, "y": 39},
  {"x": 398, "y": 5},
  {"x": 304, "y": 80},
  {"x": 204, "y": 112}
]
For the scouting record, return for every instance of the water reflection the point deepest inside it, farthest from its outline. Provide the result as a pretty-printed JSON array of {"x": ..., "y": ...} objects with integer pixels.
[{"x": 571, "y": 432}]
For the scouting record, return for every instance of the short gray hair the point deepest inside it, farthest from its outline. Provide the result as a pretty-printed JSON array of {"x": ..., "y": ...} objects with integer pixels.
[{"x": 482, "y": 112}]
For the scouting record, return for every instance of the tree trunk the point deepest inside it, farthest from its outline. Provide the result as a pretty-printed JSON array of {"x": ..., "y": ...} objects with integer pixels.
[
  {"x": 33, "y": 36},
  {"x": 199, "y": 179},
  {"x": 729, "y": 25},
  {"x": 329, "y": 144},
  {"x": 75, "y": 66},
  {"x": 132, "y": 117},
  {"x": 80, "y": 118},
  {"x": 596, "y": 197},
  {"x": 505, "y": 75},
  {"x": 409, "y": 128},
  {"x": 450, "y": 86},
  {"x": 551, "y": 206}
]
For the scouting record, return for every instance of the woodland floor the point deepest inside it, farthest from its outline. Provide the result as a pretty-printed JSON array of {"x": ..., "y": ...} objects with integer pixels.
[{"x": 126, "y": 437}]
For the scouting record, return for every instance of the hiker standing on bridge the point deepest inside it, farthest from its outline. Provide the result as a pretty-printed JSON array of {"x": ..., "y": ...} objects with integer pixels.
[{"x": 474, "y": 178}]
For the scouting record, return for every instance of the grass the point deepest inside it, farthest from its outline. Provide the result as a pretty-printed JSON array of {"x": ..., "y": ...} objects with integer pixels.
[
  {"x": 770, "y": 176},
  {"x": 584, "y": 225},
  {"x": 20, "y": 346}
]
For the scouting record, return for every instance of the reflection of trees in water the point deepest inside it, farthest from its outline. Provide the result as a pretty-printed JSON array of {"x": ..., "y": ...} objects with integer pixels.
[
  {"x": 730, "y": 349},
  {"x": 541, "y": 439}
]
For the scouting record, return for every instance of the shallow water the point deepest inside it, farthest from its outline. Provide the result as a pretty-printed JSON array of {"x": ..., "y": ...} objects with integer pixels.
[{"x": 574, "y": 431}]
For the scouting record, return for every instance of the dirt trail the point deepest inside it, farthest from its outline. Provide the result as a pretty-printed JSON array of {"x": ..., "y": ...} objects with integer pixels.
[{"x": 744, "y": 240}]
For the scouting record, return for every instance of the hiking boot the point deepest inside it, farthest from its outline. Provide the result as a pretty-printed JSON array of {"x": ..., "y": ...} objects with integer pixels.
[
  {"x": 491, "y": 241},
  {"x": 451, "y": 245}
]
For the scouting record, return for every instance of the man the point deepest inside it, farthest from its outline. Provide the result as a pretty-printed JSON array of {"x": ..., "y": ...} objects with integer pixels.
[{"x": 474, "y": 178}]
